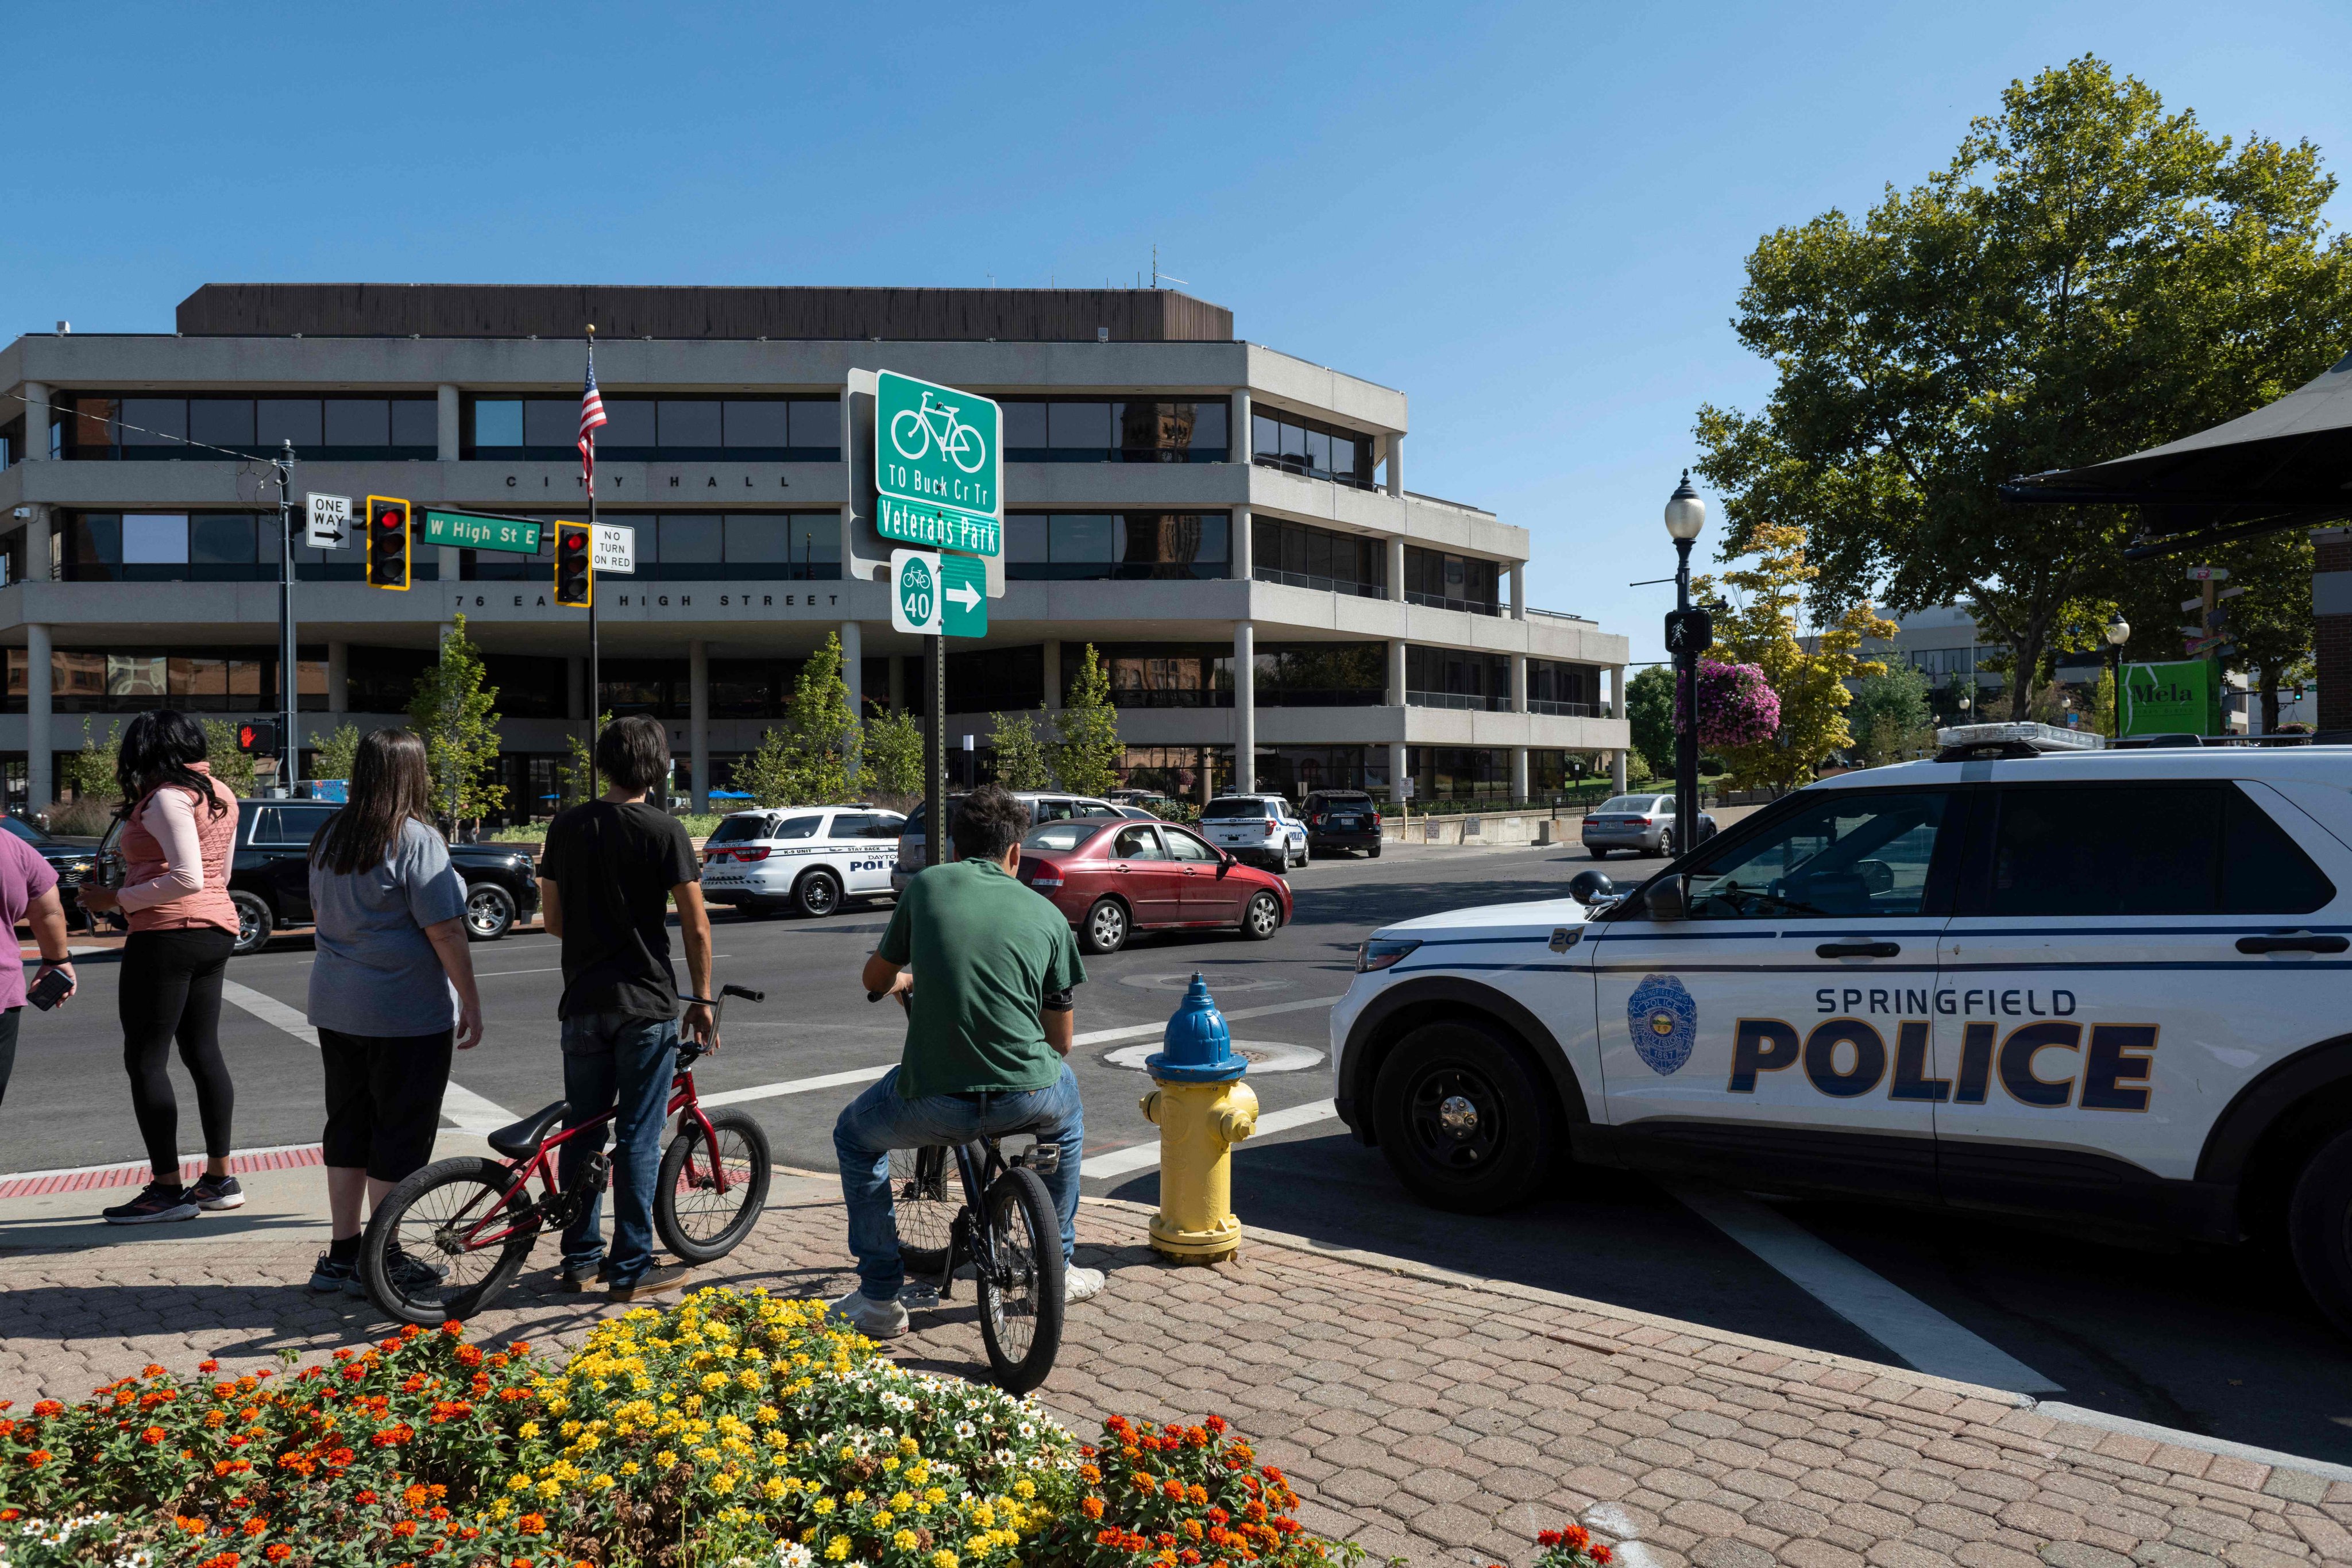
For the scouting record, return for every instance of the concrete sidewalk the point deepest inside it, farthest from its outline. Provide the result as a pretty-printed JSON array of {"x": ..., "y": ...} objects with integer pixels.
[{"x": 1432, "y": 1417}]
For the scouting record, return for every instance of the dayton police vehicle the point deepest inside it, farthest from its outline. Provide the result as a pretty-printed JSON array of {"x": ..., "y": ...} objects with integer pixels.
[
  {"x": 803, "y": 858},
  {"x": 2111, "y": 984}
]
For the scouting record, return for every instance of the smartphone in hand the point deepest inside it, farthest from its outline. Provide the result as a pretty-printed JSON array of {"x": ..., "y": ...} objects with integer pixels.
[{"x": 50, "y": 989}]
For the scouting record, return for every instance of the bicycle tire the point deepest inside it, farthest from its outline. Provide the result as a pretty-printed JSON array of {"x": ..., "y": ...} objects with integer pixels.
[
  {"x": 923, "y": 429},
  {"x": 956, "y": 449},
  {"x": 743, "y": 1145},
  {"x": 1022, "y": 1328},
  {"x": 412, "y": 1220},
  {"x": 926, "y": 1193}
]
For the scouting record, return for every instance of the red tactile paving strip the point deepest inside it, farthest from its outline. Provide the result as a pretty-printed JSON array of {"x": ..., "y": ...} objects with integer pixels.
[{"x": 135, "y": 1174}]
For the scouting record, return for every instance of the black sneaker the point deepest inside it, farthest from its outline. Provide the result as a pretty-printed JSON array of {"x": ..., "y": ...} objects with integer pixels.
[
  {"x": 327, "y": 1277},
  {"x": 408, "y": 1274},
  {"x": 572, "y": 1281},
  {"x": 161, "y": 1201},
  {"x": 217, "y": 1193}
]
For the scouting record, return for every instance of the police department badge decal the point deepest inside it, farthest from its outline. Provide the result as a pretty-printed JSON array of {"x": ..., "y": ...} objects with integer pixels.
[{"x": 1663, "y": 1020}]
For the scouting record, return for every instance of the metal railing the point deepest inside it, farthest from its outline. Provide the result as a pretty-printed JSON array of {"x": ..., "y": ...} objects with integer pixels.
[
  {"x": 1439, "y": 602},
  {"x": 1458, "y": 700},
  {"x": 1320, "y": 584},
  {"x": 1568, "y": 710}
]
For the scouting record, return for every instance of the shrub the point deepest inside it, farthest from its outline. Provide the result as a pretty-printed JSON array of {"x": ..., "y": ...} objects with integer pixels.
[{"x": 1181, "y": 1495}]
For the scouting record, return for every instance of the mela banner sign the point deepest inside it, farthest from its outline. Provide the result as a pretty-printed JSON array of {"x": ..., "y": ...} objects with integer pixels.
[{"x": 2176, "y": 699}]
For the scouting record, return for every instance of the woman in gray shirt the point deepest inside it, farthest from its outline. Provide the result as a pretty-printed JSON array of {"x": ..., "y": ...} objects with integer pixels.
[{"x": 393, "y": 970}]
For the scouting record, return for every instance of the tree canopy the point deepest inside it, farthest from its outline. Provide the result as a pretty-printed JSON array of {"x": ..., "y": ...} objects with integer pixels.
[{"x": 2089, "y": 276}]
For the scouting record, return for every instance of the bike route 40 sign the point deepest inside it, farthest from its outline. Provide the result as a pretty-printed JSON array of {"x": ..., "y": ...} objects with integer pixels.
[
  {"x": 937, "y": 595},
  {"x": 939, "y": 470}
]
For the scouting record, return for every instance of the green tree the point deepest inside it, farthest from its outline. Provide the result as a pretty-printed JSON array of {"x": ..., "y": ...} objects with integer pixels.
[
  {"x": 1650, "y": 705},
  {"x": 89, "y": 772},
  {"x": 771, "y": 775},
  {"x": 576, "y": 778},
  {"x": 893, "y": 764},
  {"x": 1889, "y": 713},
  {"x": 1021, "y": 760},
  {"x": 2089, "y": 276},
  {"x": 1090, "y": 751},
  {"x": 229, "y": 765},
  {"x": 455, "y": 715},
  {"x": 821, "y": 738},
  {"x": 1811, "y": 683},
  {"x": 333, "y": 757}
]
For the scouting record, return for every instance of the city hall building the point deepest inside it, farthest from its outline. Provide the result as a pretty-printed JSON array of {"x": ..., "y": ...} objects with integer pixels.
[{"x": 1226, "y": 525}]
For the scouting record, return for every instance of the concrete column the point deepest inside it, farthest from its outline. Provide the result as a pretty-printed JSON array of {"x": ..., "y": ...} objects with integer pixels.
[
  {"x": 1240, "y": 448},
  {"x": 1617, "y": 702},
  {"x": 697, "y": 720},
  {"x": 1396, "y": 673},
  {"x": 1518, "y": 773},
  {"x": 1396, "y": 771},
  {"x": 36, "y": 544},
  {"x": 1245, "y": 708},
  {"x": 1052, "y": 674},
  {"x": 575, "y": 685},
  {"x": 1396, "y": 567},
  {"x": 1396, "y": 464},
  {"x": 339, "y": 677},
  {"x": 41, "y": 765},
  {"x": 1239, "y": 444},
  {"x": 36, "y": 441},
  {"x": 852, "y": 675},
  {"x": 1617, "y": 773},
  {"x": 1519, "y": 683},
  {"x": 1244, "y": 543},
  {"x": 1518, "y": 590},
  {"x": 450, "y": 440},
  {"x": 898, "y": 684}
]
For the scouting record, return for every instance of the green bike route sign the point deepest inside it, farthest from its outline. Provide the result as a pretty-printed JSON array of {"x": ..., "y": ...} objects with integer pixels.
[
  {"x": 939, "y": 467},
  {"x": 464, "y": 531},
  {"x": 937, "y": 595}
]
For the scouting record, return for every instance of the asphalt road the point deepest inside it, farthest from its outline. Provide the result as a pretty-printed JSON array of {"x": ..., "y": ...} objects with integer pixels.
[{"x": 2220, "y": 1341}]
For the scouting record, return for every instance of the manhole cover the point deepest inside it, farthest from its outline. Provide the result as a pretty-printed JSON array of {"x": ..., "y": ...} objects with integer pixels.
[
  {"x": 1218, "y": 983},
  {"x": 1263, "y": 1056}
]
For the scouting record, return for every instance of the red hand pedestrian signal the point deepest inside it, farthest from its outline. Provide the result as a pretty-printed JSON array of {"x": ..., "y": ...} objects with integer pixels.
[
  {"x": 257, "y": 739},
  {"x": 387, "y": 542},
  {"x": 575, "y": 574}
]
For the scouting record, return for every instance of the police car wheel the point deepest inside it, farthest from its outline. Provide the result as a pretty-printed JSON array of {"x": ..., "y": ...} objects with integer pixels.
[
  {"x": 2319, "y": 1228},
  {"x": 817, "y": 893},
  {"x": 1463, "y": 1119}
]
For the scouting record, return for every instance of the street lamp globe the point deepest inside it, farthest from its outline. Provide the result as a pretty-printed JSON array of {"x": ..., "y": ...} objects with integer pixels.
[
  {"x": 1685, "y": 513},
  {"x": 2118, "y": 632}
]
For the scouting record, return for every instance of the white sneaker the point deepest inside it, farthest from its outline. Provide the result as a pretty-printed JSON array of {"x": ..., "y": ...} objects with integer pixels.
[
  {"x": 875, "y": 1320},
  {"x": 1081, "y": 1284}
]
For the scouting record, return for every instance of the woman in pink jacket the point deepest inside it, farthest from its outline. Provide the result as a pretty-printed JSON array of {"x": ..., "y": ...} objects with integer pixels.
[{"x": 179, "y": 828}]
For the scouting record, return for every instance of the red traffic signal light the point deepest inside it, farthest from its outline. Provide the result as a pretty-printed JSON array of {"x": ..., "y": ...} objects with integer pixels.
[
  {"x": 257, "y": 739},
  {"x": 387, "y": 542},
  {"x": 575, "y": 573}
]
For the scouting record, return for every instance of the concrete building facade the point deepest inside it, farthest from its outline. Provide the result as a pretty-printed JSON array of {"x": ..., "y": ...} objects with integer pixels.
[{"x": 1227, "y": 525}]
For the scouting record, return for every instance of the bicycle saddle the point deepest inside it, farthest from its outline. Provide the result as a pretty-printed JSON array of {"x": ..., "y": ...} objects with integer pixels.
[{"x": 518, "y": 1138}]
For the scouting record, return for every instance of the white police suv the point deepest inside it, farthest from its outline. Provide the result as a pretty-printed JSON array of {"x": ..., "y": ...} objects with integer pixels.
[
  {"x": 805, "y": 859},
  {"x": 2110, "y": 983}
]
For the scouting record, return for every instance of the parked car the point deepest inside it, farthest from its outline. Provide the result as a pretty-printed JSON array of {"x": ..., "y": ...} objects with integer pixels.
[
  {"x": 1642, "y": 823},
  {"x": 1343, "y": 819},
  {"x": 71, "y": 862},
  {"x": 270, "y": 873},
  {"x": 1259, "y": 828},
  {"x": 1115, "y": 877},
  {"x": 806, "y": 859},
  {"x": 1044, "y": 805}
]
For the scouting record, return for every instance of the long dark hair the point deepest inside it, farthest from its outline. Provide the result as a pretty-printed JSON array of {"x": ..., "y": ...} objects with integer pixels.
[
  {"x": 157, "y": 749},
  {"x": 389, "y": 785}
]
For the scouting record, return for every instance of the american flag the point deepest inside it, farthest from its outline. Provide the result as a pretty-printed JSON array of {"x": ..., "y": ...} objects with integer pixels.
[{"x": 592, "y": 414}]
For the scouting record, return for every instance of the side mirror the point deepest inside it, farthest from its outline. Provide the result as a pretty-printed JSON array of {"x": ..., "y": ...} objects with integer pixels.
[
  {"x": 1668, "y": 897},
  {"x": 1589, "y": 888}
]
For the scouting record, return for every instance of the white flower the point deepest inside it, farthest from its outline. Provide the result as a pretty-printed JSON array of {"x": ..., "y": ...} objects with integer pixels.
[
  {"x": 793, "y": 1554},
  {"x": 964, "y": 1430}
]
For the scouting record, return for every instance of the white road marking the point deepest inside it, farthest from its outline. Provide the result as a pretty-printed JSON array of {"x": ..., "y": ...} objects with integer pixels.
[
  {"x": 1143, "y": 1156},
  {"x": 1233, "y": 1015},
  {"x": 467, "y": 1110},
  {"x": 796, "y": 1086},
  {"x": 1919, "y": 1334}
]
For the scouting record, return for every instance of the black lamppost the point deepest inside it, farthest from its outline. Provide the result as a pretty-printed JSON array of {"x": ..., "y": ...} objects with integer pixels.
[
  {"x": 1688, "y": 634},
  {"x": 2118, "y": 634}
]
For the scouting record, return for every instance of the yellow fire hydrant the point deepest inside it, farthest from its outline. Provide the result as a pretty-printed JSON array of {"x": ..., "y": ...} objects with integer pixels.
[{"x": 1202, "y": 1109}]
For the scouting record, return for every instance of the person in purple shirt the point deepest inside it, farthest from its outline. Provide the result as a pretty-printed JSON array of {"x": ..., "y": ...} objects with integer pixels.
[{"x": 28, "y": 891}]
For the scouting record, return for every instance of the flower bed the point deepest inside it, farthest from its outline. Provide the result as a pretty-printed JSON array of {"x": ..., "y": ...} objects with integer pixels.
[{"x": 734, "y": 1429}]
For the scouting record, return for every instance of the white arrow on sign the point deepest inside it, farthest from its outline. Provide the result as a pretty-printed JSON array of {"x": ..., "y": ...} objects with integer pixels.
[{"x": 964, "y": 593}]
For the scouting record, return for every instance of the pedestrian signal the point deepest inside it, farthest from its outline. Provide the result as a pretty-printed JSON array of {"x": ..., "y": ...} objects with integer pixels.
[
  {"x": 575, "y": 573},
  {"x": 257, "y": 739},
  {"x": 387, "y": 542}
]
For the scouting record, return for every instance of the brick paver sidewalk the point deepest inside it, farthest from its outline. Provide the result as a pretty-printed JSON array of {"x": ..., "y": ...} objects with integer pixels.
[{"x": 1435, "y": 1418}]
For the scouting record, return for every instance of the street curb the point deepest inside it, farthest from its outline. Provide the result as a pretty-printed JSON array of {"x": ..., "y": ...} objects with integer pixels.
[{"x": 2084, "y": 1416}]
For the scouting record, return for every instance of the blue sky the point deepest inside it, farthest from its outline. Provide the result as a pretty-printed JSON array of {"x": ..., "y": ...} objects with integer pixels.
[{"x": 1531, "y": 218}]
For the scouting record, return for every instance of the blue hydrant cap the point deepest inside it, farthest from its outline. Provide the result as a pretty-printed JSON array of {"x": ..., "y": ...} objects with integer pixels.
[{"x": 1196, "y": 1048}]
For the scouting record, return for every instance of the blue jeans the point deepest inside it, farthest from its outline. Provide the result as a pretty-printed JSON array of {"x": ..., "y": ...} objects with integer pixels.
[
  {"x": 879, "y": 1121},
  {"x": 611, "y": 1059}
]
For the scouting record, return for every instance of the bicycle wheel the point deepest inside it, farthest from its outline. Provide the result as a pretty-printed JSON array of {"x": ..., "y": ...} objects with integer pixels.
[
  {"x": 439, "y": 1246},
  {"x": 966, "y": 441},
  {"x": 927, "y": 1192},
  {"x": 696, "y": 1221},
  {"x": 1020, "y": 1298},
  {"x": 923, "y": 432}
]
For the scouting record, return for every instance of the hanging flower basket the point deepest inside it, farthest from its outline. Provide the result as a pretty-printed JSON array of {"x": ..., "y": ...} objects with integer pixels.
[{"x": 1737, "y": 707}]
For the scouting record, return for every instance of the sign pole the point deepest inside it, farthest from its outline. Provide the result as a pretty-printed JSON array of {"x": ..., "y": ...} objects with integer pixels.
[
  {"x": 289, "y": 743},
  {"x": 935, "y": 749}
]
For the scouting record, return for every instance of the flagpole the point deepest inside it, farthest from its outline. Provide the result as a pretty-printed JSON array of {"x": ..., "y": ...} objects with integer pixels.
[{"x": 595, "y": 686}]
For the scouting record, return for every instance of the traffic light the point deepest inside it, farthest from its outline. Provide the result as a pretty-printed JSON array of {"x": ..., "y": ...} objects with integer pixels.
[
  {"x": 257, "y": 739},
  {"x": 387, "y": 542},
  {"x": 575, "y": 571}
]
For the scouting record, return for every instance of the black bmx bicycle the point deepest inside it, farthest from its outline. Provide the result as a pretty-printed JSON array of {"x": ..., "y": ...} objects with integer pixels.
[{"x": 1005, "y": 1228}]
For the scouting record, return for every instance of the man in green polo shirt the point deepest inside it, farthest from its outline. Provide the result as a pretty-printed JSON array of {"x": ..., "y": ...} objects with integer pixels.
[{"x": 987, "y": 1033}]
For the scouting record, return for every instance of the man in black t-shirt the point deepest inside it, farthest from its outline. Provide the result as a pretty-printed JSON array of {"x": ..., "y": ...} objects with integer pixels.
[{"x": 606, "y": 878}]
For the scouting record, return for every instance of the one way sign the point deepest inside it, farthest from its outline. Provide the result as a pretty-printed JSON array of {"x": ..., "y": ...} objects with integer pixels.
[{"x": 330, "y": 522}]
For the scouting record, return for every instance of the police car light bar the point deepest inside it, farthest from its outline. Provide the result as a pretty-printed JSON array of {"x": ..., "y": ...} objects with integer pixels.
[{"x": 2032, "y": 737}]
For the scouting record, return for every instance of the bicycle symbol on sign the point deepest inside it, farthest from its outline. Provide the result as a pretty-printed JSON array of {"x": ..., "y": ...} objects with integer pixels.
[{"x": 961, "y": 443}]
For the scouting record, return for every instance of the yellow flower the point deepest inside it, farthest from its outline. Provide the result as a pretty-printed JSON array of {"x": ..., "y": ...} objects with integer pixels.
[
  {"x": 517, "y": 1483},
  {"x": 724, "y": 1482},
  {"x": 550, "y": 1489},
  {"x": 905, "y": 1540},
  {"x": 713, "y": 1382},
  {"x": 665, "y": 1459},
  {"x": 822, "y": 1506},
  {"x": 707, "y": 1455},
  {"x": 935, "y": 1495},
  {"x": 978, "y": 1546},
  {"x": 882, "y": 1519},
  {"x": 852, "y": 1498},
  {"x": 901, "y": 1501},
  {"x": 766, "y": 1416},
  {"x": 1024, "y": 1489},
  {"x": 602, "y": 1484},
  {"x": 570, "y": 1428},
  {"x": 527, "y": 1431},
  {"x": 983, "y": 1516},
  {"x": 837, "y": 1548},
  {"x": 772, "y": 1489},
  {"x": 943, "y": 1560},
  {"x": 891, "y": 1463},
  {"x": 629, "y": 1468}
]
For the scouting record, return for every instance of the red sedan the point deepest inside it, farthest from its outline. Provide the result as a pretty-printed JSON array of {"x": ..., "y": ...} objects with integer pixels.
[{"x": 1113, "y": 878}]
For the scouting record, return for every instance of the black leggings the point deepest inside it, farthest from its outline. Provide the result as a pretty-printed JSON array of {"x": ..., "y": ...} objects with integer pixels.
[{"x": 171, "y": 986}]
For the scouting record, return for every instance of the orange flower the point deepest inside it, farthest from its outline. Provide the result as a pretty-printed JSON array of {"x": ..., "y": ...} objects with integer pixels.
[
  {"x": 151, "y": 1435},
  {"x": 48, "y": 1407},
  {"x": 39, "y": 1458},
  {"x": 277, "y": 1552},
  {"x": 405, "y": 1528},
  {"x": 151, "y": 1369},
  {"x": 531, "y": 1524},
  {"x": 1092, "y": 1508},
  {"x": 257, "y": 1526}
]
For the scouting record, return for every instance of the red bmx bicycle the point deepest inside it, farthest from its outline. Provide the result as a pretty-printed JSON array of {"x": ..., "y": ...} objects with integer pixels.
[{"x": 447, "y": 1240}]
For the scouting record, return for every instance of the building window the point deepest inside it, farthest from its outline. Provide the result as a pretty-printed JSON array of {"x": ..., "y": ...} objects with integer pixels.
[
  {"x": 996, "y": 680},
  {"x": 658, "y": 430},
  {"x": 1079, "y": 546},
  {"x": 1320, "y": 675},
  {"x": 1158, "y": 675},
  {"x": 218, "y": 427},
  {"x": 1297, "y": 772},
  {"x": 1302, "y": 556},
  {"x": 1297, "y": 444},
  {"x": 1106, "y": 430},
  {"x": 195, "y": 681},
  {"x": 1570, "y": 691},
  {"x": 204, "y": 547},
  {"x": 1453, "y": 677},
  {"x": 1459, "y": 773},
  {"x": 1447, "y": 582},
  {"x": 1180, "y": 773},
  {"x": 693, "y": 547},
  {"x": 1550, "y": 770}
]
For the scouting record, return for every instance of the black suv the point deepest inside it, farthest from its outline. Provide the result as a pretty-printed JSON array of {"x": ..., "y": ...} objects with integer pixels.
[
  {"x": 270, "y": 873},
  {"x": 1343, "y": 819},
  {"x": 71, "y": 862}
]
